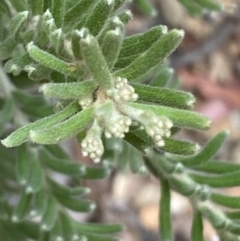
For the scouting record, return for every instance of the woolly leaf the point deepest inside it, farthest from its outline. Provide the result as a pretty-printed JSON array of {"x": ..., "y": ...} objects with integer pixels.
[
  {"x": 75, "y": 40},
  {"x": 165, "y": 223},
  {"x": 114, "y": 39},
  {"x": 164, "y": 96},
  {"x": 66, "y": 129},
  {"x": 77, "y": 11},
  {"x": 98, "y": 15},
  {"x": 58, "y": 11},
  {"x": 140, "y": 43},
  {"x": 50, "y": 61},
  {"x": 17, "y": 23},
  {"x": 21, "y": 135},
  {"x": 179, "y": 147},
  {"x": 207, "y": 152},
  {"x": 156, "y": 54},
  {"x": 95, "y": 61},
  {"x": 78, "y": 90},
  {"x": 37, "y": 7}
]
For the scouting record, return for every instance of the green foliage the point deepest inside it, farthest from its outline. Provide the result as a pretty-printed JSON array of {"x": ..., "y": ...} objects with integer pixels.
[{"x": 76, "y": 54}]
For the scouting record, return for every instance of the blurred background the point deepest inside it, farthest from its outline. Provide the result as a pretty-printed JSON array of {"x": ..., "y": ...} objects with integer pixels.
[{"x": 208, "y": 65}]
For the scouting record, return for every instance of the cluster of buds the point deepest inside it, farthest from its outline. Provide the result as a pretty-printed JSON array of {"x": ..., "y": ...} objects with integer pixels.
[
  {"x": 122, "y": 91},
  {"x": 118, "y": 126},
  {"x": 157, "y": 128},
  {"x": 113, "y": 117},
  {"x": 112, "y": 121},
  {"x": 92, "y": 145}
]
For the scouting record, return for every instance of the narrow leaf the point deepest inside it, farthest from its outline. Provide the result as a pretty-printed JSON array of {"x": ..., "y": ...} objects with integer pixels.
[
  {"x": 114, "y": 39},
  {"x": 64, "y": 166},
  {"x": 156, "y": 54},
  {"x": 66, "y": 129},
  {"x": 21, "y": 135},
  {"x": 22, "y": 207},
  {"x": 165, "y": 222},
  {"x": 197, "y": 227},
  {"x": 227, "y": 201},
  {"x": 207, "y": 153},
  {"x": 17, "y": 23},
  {"x": 209, "y": 4},
  {"x": 140, "y": 43},
  {"x": 162, "y": 77},
  {"x": 22, "y": 167},
  {"x": 7, "y": 47},
  {"x": 146, "y": 7},
  {"x": 50, "y": 61},
  {"x": 58, "y": 11},
  {"x": 164, "y": 96},
  {"x": 96, "y": 173},
  {"x": 217, "y": 167},
  {"x": 37, "y": 7},
  {"x": 98, "y": 15},
  {"x": 50, "y": 215},
  {"x": 218, "y": 181},
  {"x": 77, "y": 205},
  {"x": 35, "y": 181},
  {"x": 78, "y": 90},
  {"x": 95, "y": 61},
  {"x": 78, "y": 10},
  {"x": 191, "y": 6},
  {"x": 39, "y": 203},
  {"x": 93, "y": 228},
  {"x": 66, "y": 191}
]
